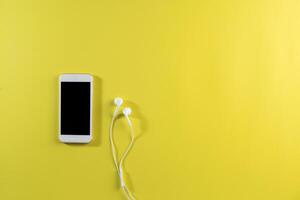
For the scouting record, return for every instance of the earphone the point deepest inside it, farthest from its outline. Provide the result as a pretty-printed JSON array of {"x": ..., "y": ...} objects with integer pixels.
[{"x": 119, "y": 166}]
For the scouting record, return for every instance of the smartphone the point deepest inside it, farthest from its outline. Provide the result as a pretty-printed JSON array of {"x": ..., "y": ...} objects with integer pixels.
[{"x": 75, "y": 108}]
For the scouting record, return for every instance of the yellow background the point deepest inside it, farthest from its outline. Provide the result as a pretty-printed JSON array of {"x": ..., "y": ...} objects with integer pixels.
[{"x": 214, "y": 87}]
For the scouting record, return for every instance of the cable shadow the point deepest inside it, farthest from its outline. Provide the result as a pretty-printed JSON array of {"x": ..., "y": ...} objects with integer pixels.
[{"x": 139, "y": 117}]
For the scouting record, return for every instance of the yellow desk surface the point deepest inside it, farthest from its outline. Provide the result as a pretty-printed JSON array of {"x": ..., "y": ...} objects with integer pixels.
[{"x": 214, "y": 87}]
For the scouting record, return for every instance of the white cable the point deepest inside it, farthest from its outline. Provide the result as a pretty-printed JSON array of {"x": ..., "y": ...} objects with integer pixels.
[
  {"x": 119, "y": 167},
  {"x": 112, "y": 140},
  {"x": 129, "y": 147}
]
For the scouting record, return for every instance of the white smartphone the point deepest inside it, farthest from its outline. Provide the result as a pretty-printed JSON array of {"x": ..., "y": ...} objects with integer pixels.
[{"x": 75, "y": 108}]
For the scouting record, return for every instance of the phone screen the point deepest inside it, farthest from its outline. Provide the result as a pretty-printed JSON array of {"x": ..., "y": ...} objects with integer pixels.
[{"x": 75, "y": 108}]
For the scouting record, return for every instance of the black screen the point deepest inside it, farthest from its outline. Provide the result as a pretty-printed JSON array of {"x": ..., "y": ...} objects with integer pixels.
[{"x": 75, "y": 108}]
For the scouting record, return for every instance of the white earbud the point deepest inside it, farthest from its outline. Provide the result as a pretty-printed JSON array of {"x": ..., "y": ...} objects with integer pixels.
[
  {"x": 118, "y": 101},
  {"x": 127, "y": 111}
]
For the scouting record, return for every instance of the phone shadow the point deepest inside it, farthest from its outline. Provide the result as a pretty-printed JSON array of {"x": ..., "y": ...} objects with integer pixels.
[{"x": 97, "y": 111}]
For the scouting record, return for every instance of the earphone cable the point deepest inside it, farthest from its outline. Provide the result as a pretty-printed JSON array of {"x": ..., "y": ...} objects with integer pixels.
[
  {"x": 113, "y": 149},
  {"x": 119, "y": 167},
  {"x": 126, "y": 190}
]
